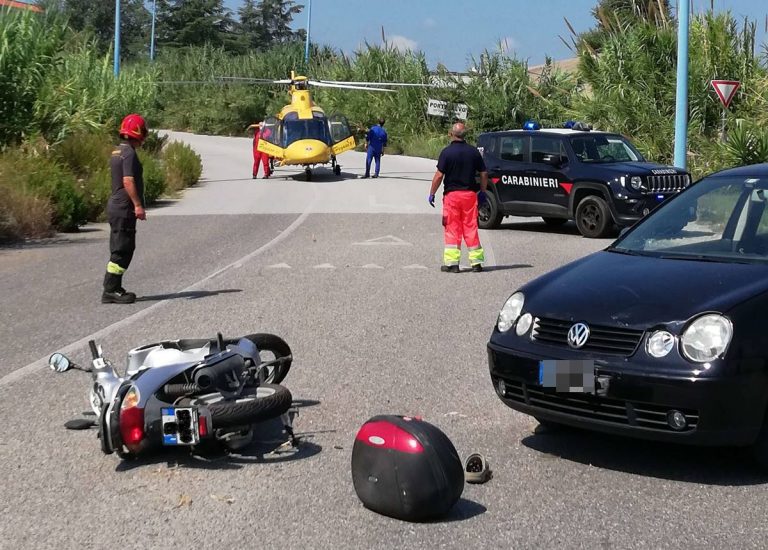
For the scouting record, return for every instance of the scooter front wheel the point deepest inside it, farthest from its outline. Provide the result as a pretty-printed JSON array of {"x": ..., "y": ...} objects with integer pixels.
[{"x": 254, "y": 405}]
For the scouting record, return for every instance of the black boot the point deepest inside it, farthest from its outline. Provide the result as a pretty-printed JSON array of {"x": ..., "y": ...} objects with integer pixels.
[{"x": 114, "y": 293}]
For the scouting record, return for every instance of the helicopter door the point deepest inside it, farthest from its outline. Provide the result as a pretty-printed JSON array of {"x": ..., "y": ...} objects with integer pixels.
[
  {"x": 343, "y": 140},
  {"x": 269, "y": 142}
]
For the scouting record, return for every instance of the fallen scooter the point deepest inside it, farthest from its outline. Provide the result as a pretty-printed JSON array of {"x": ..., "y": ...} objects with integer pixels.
[{"x": 187, "y": 393}]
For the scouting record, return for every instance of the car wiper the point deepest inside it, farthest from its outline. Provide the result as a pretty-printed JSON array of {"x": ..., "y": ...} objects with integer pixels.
[
  {"x": 623, "y": 251},
  {"x": 701, "y": 258}
]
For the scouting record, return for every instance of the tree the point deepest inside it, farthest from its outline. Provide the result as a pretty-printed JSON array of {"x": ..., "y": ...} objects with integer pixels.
[
  {"x": 617, "y": 16},
  {"x": 98, "y": 19},
  {"x": 196, "y": 23},
  {"x": 269, "y": 22}
]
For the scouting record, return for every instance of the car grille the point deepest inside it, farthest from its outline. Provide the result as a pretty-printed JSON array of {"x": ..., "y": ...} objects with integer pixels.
[
  {"x": 667, "y": 184},
  {"x": 614, "y": 411},
  {"x": 609, "y": 340}
]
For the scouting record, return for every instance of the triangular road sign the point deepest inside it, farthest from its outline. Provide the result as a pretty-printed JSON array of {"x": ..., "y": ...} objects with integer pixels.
[{"x": 726, "y": 89}]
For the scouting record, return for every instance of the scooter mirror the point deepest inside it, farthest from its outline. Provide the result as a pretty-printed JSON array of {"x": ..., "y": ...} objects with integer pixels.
[{"x": 59, "y": 362}]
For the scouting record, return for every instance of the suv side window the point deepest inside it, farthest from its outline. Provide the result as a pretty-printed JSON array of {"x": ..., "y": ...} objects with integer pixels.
[
  {"x": 545, "y": 145},
  {"x": 512, "y": 148}
]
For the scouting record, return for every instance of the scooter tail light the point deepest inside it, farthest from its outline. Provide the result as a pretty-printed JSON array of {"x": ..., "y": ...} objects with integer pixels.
[
  {"x": 132, "y": 427},
  {"x": 202, "y": 427},
  {"x": 132, "y": 420}
]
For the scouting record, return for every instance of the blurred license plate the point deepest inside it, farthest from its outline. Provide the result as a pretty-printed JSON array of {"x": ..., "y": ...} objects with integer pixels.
[{"x": 568, "y": 376}]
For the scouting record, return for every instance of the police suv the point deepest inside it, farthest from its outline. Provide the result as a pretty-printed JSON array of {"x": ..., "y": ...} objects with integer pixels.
[{"x": 596, "y": 178}]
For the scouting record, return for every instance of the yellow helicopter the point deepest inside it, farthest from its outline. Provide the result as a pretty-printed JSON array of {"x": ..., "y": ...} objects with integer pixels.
[{"x": 301, "y": 133}]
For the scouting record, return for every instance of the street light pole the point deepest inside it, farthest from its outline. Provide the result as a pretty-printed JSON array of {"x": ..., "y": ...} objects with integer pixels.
[
  {"x": 309, "y": 21},
  {"x": 152, "y": 39},
  {"x": 681, "y": 112},
  {"x": 117, "y": 38}
]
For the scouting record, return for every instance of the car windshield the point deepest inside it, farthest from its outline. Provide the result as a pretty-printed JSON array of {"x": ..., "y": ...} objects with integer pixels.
[
  {"x": 315, "y": 128},
  {"x": 720, "y": 218},
  {"x": 601, "y": 148}
]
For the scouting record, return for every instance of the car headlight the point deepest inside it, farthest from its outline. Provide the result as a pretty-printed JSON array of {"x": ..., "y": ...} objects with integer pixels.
[
  {"x": 523, "y": 324},
  {"x": 510, "y": 312},
  {"x": 706, "y": 338},
  {"x": 636, "y": 183},
  {"x": 660, "y": 343}
]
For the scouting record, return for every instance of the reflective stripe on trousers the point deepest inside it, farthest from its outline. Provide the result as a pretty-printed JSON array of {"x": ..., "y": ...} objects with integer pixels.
[{"x": 460, "y": 222}]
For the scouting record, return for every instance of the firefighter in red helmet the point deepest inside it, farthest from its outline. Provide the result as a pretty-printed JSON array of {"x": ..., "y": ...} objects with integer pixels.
[{"x": 125, "y": 206}]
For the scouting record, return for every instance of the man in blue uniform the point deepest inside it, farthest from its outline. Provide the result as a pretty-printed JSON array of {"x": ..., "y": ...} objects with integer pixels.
[{"x": 375, "y": 141}]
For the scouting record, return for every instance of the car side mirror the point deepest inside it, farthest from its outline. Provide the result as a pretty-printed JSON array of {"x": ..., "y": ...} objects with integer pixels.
[{"x": 59, "y": 362}]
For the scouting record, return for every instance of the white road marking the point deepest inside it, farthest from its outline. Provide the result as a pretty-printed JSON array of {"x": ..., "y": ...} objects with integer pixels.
[
  {"x": 279, "y": 266},
  {"x": 415, "y": 266},
  {"x": 324, "y": 266},
  {"x": 389, "y": 240},
  {"x": 106, "y": 331},
  {"x": 371, "y": 266}
]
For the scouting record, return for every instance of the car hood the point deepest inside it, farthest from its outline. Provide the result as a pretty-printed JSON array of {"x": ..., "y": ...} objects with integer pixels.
[
  {"x": 640, "y": 168},
  {"x": 614, "y": 289}
]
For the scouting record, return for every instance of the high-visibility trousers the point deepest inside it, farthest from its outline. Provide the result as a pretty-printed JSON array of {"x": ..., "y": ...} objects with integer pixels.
[
  {"x": 460, "y": 222},
  {"x": 260, "y": 158}
]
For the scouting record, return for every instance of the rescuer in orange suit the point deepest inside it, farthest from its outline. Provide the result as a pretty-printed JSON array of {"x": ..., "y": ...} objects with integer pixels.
[{"x": 258, "y": 156}]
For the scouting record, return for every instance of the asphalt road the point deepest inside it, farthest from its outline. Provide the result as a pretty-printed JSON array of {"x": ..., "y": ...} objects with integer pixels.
[{"x": 347, "y": 271}]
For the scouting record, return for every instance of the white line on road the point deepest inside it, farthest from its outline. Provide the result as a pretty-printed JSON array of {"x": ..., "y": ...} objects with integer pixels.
[{"x": 43, "y": 361}]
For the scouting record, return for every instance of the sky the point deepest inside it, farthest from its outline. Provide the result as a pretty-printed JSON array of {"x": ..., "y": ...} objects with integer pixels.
[{"x": 453, "y": 32}]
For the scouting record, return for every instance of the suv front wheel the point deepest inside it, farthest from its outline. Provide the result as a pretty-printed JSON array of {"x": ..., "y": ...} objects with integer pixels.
[
  {"x": 593, "y": 217},
  {"x": 489, "y": 215}
]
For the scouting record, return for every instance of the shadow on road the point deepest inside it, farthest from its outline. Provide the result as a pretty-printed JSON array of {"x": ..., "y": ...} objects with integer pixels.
[
  {"x": 707, "y": 465},
  {"x": 463, "y": 509},
  {"x": 191, "y": 295},
  {"x": 270, "y": 446},
  {"x": 505, "y": 267},
  {"x": 569, "y": 228}
]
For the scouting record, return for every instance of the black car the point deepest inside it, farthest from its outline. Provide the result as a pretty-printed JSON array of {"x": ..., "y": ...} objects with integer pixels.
[
  {"x": 662, "y": 335},
  {"x": 596, "y": 178}
]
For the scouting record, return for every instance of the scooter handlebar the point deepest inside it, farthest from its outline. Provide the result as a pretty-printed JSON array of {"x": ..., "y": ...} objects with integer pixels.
[{"x": 94, "y": 349}]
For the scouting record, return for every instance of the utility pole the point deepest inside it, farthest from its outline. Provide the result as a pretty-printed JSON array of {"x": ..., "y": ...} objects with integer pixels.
[
  {"x": 117, "y": 38},
  {"x": 309, "y": 22},
  {"x": 152, "y": 38},
  {"x": 681, "y": 110}
]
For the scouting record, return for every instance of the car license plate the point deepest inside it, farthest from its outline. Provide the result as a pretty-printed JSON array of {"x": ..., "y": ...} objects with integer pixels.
[
  {"x": 180, "y": 426},
  {"x": 568, "y": 376}
]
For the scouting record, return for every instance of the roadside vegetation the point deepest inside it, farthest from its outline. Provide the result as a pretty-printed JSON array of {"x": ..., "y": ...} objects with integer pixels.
[{"x": 60, "y": 103}]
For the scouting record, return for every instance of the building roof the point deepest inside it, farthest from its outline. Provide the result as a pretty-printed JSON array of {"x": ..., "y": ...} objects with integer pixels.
[{"x": 21, "y": 5}]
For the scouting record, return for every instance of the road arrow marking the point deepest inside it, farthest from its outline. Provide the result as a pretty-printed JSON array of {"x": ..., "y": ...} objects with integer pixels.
[{"x": 387, "y": 240}]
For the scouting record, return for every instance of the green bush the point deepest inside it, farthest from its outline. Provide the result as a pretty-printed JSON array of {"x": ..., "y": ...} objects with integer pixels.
[
  {"x": 95, "y": 190},
  {"x": 42, "y": 177},
  {"x": 154, "y": 143},
  {"x": 85, "y": 153},
  {"x": 154, "y": 178},
  {"x": 183, "y": 167},
  {"x": 23, "y": 214},
  {"x": 424, "y": 146}
]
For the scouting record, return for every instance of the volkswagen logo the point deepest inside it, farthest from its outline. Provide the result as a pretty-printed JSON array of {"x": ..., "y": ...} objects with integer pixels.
[{"x": 578, "y": 335}]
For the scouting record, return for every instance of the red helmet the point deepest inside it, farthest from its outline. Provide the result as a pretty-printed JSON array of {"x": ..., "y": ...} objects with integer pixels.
[{"x": 133, "y": 126}]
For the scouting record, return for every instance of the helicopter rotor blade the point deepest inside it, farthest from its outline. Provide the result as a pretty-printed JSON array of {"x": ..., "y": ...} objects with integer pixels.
[
  {"x": 247, "y": 80},
  {"x": 322, "y": 84},
  {"x": 404, "y": 84}
]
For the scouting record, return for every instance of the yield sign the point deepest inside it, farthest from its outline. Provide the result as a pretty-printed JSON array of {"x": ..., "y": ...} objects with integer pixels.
[{"x": 726, "y": 89}]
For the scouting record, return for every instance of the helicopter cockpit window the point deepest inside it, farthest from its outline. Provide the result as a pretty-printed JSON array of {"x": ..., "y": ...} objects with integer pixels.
[{"x": 315, "y": 128}]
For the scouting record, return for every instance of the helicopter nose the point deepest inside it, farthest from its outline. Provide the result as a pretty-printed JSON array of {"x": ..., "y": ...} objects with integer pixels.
[{"x": 308, "y": 151}]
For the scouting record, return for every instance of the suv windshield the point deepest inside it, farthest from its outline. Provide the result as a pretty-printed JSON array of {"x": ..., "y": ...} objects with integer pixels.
[
  {"x": 604, "y": 148},
  {"x": 718, "y": 219}
]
